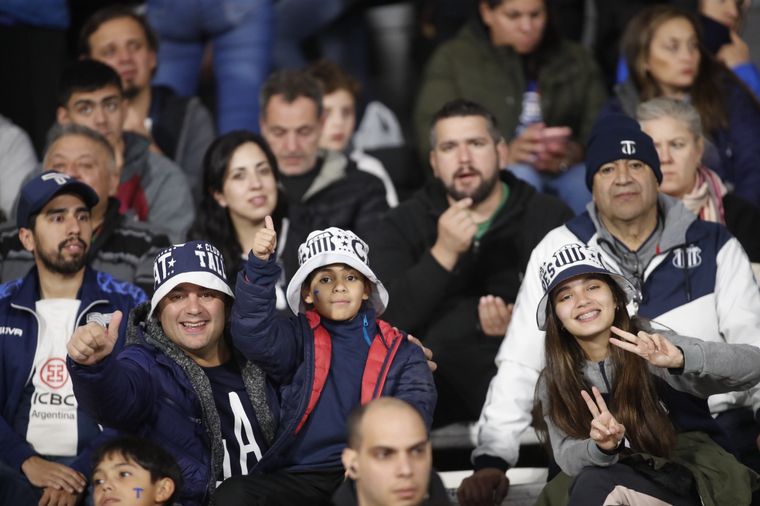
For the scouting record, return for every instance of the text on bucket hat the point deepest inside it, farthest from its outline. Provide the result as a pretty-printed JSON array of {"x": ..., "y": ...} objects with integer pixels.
[
  {"x": 195, "y": 262},
  {"x": 572, "y": 260},
  {"x": 334, "y": 246},
  {"x": 37, "y": 192},
  {"x": 619, "y": 137}
]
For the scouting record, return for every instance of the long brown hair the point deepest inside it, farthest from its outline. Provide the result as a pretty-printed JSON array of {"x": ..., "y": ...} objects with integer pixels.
[
  {"x": 633, "y": 400},
  {"x": 707, "y": 94}
]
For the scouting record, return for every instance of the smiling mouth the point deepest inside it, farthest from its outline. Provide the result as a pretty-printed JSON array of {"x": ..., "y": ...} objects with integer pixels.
[
  {"x": 588, "y": 316},
  {"x": 193, "y": 325}
]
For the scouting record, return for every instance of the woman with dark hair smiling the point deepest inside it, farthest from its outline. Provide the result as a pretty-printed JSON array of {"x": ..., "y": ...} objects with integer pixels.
[
  {"x": 665, "y": 55},
  {"x": 239, "y": 190},
  {"x": 625, "y": 409}
]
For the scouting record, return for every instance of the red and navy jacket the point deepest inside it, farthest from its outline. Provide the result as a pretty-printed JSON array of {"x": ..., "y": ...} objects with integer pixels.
[{"x": 296, "y": 354}]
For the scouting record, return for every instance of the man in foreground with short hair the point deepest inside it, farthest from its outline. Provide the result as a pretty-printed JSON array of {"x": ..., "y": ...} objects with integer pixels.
[{"x": 389, "y": 459}]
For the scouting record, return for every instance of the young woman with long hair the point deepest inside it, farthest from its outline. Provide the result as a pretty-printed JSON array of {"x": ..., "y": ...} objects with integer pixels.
[
  {"x": 239, "y": 190},
  {"x": 666, "y": 56},
  {"x": 626, "y": 410}
]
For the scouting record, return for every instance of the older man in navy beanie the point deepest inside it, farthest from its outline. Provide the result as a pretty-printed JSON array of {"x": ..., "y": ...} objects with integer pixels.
[
  {"x": 693, "y": 275},
  {"x": 619, "y": 137}
]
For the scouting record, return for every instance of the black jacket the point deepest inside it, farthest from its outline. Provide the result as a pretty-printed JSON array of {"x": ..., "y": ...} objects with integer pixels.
[
  {"x": 342, "y": 196},
  {"x": 441, "y": 307}
]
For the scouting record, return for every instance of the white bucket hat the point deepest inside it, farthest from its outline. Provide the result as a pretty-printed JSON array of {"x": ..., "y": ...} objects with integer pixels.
[
  {"x": 334, "y": 246},
  {"x": 573, "y": 260}
]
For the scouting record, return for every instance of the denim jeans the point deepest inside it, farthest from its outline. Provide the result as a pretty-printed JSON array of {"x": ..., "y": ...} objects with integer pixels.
[
  {"x": 569, "y": 186},
  {"x": 340, "y": 35},
  {"x": 240, "y": 32}
]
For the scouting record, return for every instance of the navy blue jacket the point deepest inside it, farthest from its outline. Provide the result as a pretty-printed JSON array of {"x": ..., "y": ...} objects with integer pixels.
[
  {"x": 285, "y": 349},
  {"x": 99, "y": 293},
  {"x": 154, "y": 390}
]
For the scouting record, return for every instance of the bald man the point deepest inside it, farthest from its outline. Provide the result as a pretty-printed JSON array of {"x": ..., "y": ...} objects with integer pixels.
[{"x": 388, "y": 459}]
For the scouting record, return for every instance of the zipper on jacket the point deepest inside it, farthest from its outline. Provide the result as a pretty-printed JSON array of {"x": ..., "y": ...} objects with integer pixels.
[
  {"x": 365, "y": 324},
  {"x": 604, "y": 377}
]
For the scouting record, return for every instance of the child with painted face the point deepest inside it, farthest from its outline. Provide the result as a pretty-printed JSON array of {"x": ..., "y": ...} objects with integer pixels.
[
  {"x": 626, "y": 410},
  {"x": 332, "y": 356},
  {"x": 133, "y": 471}
]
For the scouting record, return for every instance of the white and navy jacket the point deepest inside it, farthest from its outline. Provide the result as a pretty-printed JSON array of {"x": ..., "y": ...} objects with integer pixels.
[
  {"x": 699, "y": 284},
  {"x": 100, "y": 295}
]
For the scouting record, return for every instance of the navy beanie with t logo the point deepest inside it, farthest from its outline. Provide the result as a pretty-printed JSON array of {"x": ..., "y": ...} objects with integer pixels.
[{"x": 619, "y": 137}]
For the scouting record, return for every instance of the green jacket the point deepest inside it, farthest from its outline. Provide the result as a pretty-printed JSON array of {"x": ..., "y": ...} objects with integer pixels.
[
  {"x": 468, "y": 66},
  {"x": 719, "y": 477}
]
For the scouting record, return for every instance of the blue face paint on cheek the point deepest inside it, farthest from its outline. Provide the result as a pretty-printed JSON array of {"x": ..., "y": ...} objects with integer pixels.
[
  {"x": 316, "y": 295},
  {"x": 138, "y": 491}
]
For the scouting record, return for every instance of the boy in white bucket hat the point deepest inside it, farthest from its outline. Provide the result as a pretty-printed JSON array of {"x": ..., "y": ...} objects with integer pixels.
[{"x": 333, "y": 356}]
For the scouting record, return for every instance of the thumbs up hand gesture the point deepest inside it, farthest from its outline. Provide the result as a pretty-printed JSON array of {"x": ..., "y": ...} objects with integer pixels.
[
  {"x": 265, "y": 240},
  {"x": 93, "y": 342}
]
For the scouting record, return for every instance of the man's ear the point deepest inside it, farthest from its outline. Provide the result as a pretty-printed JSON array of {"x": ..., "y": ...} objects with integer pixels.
[
  {"x": 431, "y": 160},
  {"x": 164, "y": 490},
  {"x": 349, "y": 463},
  {"x": 113, "y": 182},
  {"x": 26, "y": 236},
  {"x": 62, "y": 116}
]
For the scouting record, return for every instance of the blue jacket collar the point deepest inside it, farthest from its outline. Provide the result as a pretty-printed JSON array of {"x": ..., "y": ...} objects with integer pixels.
[{"x": 29, "y": 291}]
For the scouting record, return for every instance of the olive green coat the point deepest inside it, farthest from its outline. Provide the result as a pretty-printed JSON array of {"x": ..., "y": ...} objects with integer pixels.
[
  {"x": 719, "y": 477},
  {"x": 469, "y": 66}
]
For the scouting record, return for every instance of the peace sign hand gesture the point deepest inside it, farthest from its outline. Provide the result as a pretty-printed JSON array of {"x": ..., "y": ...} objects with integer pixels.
[
  {"x": 654, "y": 348},
  {"x": 605, "y": 430}
]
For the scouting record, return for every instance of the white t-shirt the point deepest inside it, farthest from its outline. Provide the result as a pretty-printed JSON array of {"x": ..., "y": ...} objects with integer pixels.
[{"x": 52, "y": 428}]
